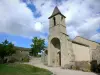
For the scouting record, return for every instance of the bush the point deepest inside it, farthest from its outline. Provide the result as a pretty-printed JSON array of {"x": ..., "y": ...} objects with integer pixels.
[
  {"x": 83, "y": 65},
  {"x": 74, "y": 67},
  {"x": 25, "y": 59},
  {"x": 67, "y": 66},
  {"x": 79, "y": 65},
  {"x": 12, "y": 60}
]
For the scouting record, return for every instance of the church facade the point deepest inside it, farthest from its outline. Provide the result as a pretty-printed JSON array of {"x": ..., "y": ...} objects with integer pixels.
[{"x": 61, "y": 49}]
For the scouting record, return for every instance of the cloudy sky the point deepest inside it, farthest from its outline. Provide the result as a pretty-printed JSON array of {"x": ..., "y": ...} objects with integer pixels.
[{"x": 21, "y": 20}]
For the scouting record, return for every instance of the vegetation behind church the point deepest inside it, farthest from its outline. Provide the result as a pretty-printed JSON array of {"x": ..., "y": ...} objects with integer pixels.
[
  {"x": 11, "y": 53},
  {"x": 6, "y": 49},
  {"x": 38, "y": 44}
]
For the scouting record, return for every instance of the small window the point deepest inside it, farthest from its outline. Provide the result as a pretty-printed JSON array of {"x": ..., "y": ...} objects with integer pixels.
[{"x": 54, "y": 19}]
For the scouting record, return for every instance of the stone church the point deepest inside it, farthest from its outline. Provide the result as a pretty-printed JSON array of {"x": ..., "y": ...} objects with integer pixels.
[{"x": 62, "y": 50}]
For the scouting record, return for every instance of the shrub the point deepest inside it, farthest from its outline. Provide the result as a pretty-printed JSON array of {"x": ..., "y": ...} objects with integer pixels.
[
  {"x": 83, "y": 65},
  {"x": 74, "y": 67},
  {"x": 25, "y": 59},
  {"x": 12, "y": 60},
  {"x": 79, "y": 65},
  {"x": 67, "y": 66}
]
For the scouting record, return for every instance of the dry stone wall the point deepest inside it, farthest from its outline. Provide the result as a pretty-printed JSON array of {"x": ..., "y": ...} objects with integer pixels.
[{"x": 96, "y": 54}]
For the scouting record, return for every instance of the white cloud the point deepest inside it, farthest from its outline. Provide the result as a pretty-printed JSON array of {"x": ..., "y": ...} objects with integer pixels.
[
  {"x": 38, "y": 26},
  {"x": 95, "y": 37},
  {"x": 72, "y": 32},
  {"x": 17, "y": 19},
  {"x": 82, "y": 17},
  {"x": 88, "y": 29}
]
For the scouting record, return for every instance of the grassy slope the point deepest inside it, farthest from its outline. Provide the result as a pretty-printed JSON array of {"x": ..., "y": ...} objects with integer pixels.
[{"x": 22, "y": 69}]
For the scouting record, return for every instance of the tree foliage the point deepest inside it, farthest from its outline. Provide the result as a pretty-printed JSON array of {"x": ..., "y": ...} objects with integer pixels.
[
  {"x": 37, "y": 45},
  {"x": 6, "y": 49}
]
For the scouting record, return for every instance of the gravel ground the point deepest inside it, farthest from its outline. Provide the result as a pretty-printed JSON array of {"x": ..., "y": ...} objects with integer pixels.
[{"x": 58, "y": 70}]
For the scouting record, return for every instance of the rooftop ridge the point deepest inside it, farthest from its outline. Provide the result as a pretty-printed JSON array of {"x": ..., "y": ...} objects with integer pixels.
[
  {"x": 86, "y": 39},
  {"x": 55, "y": 12}
]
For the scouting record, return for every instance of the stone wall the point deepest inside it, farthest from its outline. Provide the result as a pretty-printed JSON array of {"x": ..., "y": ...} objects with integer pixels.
[
  {"x": 79, "y": 65},
  {"x": 44, "y": 58},
  {"x": 81, "y": 52},
  {"x": 19, "y": 56},
  {"x": 92, "y": 44},
  {"x": 96, "y": 54},
  {"x": 70, "y": 51}
]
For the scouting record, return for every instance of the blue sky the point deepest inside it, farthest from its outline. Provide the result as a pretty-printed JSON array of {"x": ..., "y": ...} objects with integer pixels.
[
  {"x": 17, "y": 40},
  {"x": 21, "y": 20}
]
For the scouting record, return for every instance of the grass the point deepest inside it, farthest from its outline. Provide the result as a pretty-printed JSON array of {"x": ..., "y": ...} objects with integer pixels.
[{"x": 22, "y": 69}]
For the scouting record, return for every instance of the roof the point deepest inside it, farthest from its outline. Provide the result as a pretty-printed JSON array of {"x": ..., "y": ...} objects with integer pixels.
[
  {"x": 64, "y": 33},
  {"x": 80, "y": 43},
  {"x": 55, "y": 12},
  {"x": 86, "y": 39},
  {"x": 22, "y": 48}
]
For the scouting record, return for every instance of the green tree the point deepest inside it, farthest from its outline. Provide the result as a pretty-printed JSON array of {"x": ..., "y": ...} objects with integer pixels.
[
  {"x": 6, "y": 49},
  {"x": 37, "y": 45}
]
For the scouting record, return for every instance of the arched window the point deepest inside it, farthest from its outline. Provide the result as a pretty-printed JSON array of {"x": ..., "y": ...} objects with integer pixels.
[{"x": 54, "y": 19}]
